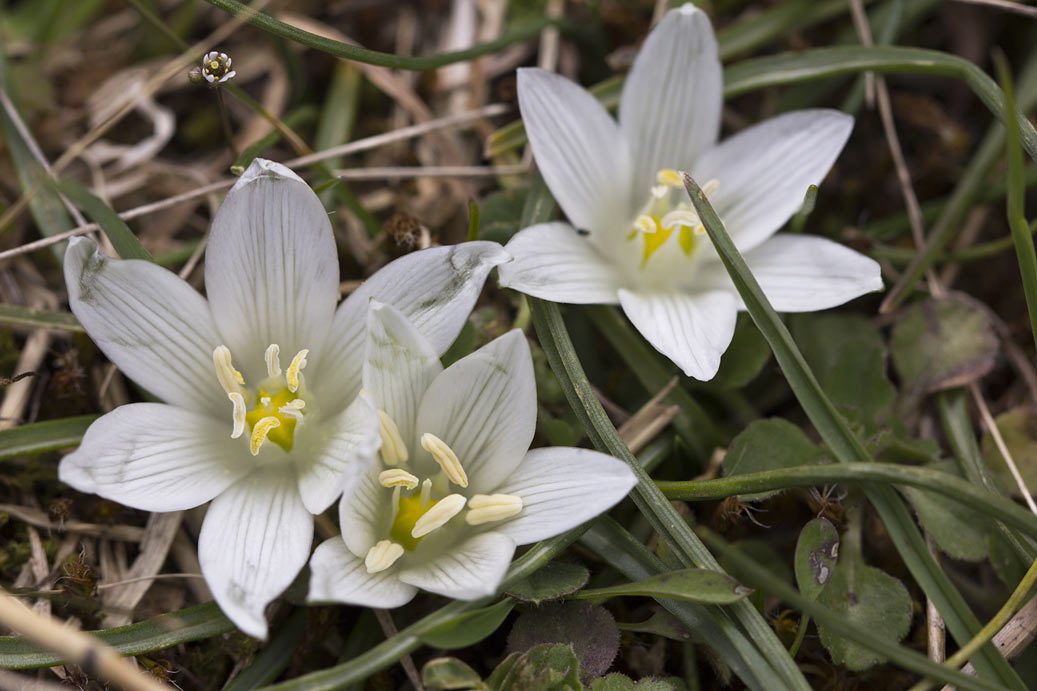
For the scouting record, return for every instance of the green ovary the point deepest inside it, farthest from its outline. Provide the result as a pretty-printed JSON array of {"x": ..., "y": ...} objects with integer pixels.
[
  {"x": 284, "y": 435},
  {"x": 408, "y": 511}
]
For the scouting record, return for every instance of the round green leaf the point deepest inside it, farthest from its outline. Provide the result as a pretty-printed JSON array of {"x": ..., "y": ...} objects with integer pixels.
[
  {"x": 817, "y": 552},
  {"x": 551, "y": 582}
]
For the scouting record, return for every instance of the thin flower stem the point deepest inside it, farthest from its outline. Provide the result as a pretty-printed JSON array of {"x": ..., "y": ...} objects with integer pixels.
[
  {"x": 951, "y": 486},
  {"x": 225, "y": 122}
]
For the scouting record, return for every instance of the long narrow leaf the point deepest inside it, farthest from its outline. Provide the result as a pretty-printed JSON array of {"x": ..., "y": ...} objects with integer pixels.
[
  {"x": 16, "y": 315},
  {"x": 39, "y": 437}
]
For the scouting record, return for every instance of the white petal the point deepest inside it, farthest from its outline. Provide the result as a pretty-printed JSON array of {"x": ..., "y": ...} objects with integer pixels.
[
  {"x": 365, "y": 514},
  {"x": 334, "y": 466},
  {"x": 802, "y": 273},
  {"x": 157, "y": 457},
  {"x": 254, "y": 541},
  {"x": 764, "y": 171},
  {"x": 469, "y": 571},
  {"x": 271, "y": 269},
  {"x": 693, "y": 330},
  {"x": 484, "y": 407},
  {"x": 435, "y": 289},
  {"x": 553, "y": 262},
  {"x": 672, "y": 98},
  {"x": 579, "y": 150},
  {"x": 399, "y": 365},
  {"x": 562, "y": 488},
  {"x": 338, "y": 575},
  {"x": 157, "y": 329}
]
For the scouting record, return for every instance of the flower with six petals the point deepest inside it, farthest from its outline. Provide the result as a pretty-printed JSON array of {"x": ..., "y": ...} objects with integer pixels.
[
  {"x": 259, "y": 382},
  {"x": 458, "y": 487},
  {"x": 635, "y": 239}
]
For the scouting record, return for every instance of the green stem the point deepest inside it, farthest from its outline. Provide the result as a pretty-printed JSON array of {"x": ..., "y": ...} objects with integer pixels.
[
  {"x": 1016, "y": 201},
  {"x": 374, "y": 57},
  {"x": 801, "y": 634},
  {"x": 953, "y": 487}
]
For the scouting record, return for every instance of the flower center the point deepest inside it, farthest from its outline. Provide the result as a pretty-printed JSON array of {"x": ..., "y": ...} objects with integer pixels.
[
  {"x": 277, "y": 405},
  {"x": 669, "y": 211},
  {"x": 418, "y": 513}
]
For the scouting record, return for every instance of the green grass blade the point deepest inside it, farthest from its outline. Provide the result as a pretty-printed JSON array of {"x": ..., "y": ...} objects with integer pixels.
[
  {"x": 39, "y": 437},
  {"x": 847, "y": 448},
  {"x": 122, "y": 238},
  {"x": 1024, "y": 250},
  {"x": 16, "y": 315},
  {"x": 373, "y": 57},
  {"x": 951, "y": 486},
  {"x": 164, "y": 631}
]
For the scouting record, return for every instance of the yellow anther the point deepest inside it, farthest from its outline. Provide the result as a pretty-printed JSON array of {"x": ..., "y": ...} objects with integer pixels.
[
  {"x": 382, "y": 556},
  {"x": 438, "y": 516},
  {"x": 230, "y": 379},
  {"x": 394, "y": 451},
  {"x": 294, "y": 369},
  {"x": 445, "y": 457},
  {"x": 486, "y": 508},
  {"x": 259, "y": 432},
  {"x": 646, "y": 224},
  {"x": 669, "y": 177},
  {"x": 239, "y": 413},
  {"x": 397, "y": 477},
  {"x": 273, "y": 361}
]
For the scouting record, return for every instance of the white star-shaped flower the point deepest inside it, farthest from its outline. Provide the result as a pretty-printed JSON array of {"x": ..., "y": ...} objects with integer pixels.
[
  {"x": 458, "y": 487},
  {"x": 635, "y": 239},
  {"x": 270, "y": 440}
]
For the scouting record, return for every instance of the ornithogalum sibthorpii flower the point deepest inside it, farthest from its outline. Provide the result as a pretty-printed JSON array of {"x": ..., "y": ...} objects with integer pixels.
[
  {"x": 458, "y": 487},
  {"x": 260, "y": 382},
  {"x": 635, "y": 239}
]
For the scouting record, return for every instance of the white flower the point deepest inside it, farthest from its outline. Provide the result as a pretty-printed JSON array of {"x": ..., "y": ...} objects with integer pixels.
[
  {"x": 458, "y": 487},
  {"x": 637, "y": 239},
  {"x": 260, "y": 382},
  {"x": 216, "y": 68}
]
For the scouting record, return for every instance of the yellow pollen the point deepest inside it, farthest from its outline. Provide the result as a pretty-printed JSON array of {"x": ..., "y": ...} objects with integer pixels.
[
  {"x": 293, "y": 373},
  {"x": 230, "y": 379},
  {"x": 486, "y": 508},
  {"x": 273, "y": 362},
  {"x": 446, "y": 458},
  {"x": 382, "y": 556},
  {"x": 239, "y": 413},
  {"x": 669, "y": 177},
  {"x": 259, "y": 432},
  {"x": 397, "y": 477},
  {"x": 394, "y": 451},
  {"x": 438, "y": 515}
]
